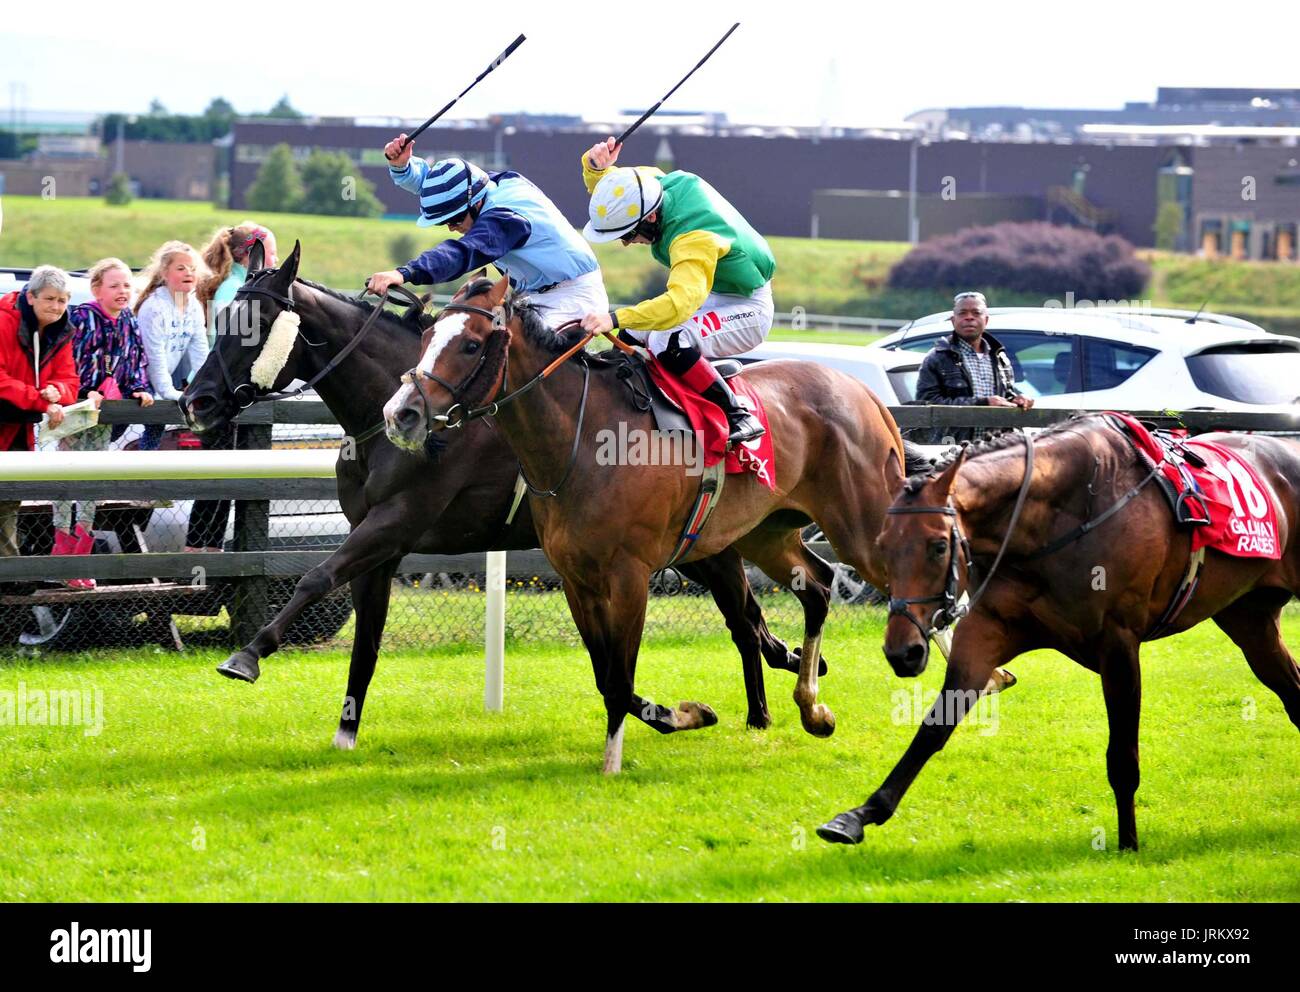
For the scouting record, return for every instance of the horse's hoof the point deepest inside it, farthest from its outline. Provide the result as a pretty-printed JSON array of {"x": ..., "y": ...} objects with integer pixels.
[
  {"x": 1008, "y": 678},
  {"x": 345, "y": 740},
  {"x": 241, "y": 665},
  {"x": 693, "y": 716},
  {"x": 819, "y": 721},
  {"x": 758, "y": 721},
  {"x": 844, "y": 829},
  {"x": 797, "y": 656}
]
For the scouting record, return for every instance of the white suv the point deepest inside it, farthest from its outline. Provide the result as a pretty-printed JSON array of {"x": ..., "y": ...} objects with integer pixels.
[{"x": 1131, "y": 359}]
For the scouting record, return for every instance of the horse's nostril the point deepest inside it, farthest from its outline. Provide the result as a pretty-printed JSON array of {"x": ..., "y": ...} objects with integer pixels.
[
  {"x": 915, "y": 652},
  {"x": 406, "y": 418}
]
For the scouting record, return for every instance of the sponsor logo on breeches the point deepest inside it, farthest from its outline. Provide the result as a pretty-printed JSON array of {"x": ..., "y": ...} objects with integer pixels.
[{"x": 711, "y": 323}]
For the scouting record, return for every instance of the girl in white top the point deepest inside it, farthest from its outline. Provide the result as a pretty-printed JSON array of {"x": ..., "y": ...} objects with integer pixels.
[{"x": 171, "y": 321}]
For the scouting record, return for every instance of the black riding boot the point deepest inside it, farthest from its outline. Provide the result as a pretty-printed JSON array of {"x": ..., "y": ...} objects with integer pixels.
[{"x": 743, "y": 425}]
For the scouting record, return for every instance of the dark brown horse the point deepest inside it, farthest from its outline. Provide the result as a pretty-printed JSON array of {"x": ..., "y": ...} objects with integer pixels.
[
  {"x": 432, "y": 502},
  {"x": 1075, "y": 577},
  {"x": 605, "y": 528}
]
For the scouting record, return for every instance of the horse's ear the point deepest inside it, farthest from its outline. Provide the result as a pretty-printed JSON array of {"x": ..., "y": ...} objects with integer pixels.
[
  {"x": 497, "y": 293},
  {"x": 948, "y": 478},
  {"x": 289, "y": 270},
  {"x": 256, "y": 257},
  {"x": 481, "y": 273}
]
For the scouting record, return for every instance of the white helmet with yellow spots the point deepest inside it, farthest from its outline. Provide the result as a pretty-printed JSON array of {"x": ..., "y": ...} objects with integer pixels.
[{"x": 620, "y": 202}]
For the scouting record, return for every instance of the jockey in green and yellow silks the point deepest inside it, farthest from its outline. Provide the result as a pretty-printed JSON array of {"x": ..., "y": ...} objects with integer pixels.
[{"x": 719, "y": 296}]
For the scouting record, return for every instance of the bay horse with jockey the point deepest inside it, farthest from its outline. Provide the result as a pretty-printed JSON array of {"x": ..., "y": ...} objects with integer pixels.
[{"x": 607, "y": 527}]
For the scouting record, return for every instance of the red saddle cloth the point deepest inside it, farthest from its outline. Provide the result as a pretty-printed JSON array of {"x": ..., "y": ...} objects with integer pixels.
[
  {"x": 1243, "y": 520},
  {"x": 710, "y": 425}
]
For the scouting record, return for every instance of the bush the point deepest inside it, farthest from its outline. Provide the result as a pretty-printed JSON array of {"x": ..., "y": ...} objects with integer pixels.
[
  {"x": 1036, "y": 258},
  {"x": 118, "y": 193},
  {"x": 402, "y": 248}
]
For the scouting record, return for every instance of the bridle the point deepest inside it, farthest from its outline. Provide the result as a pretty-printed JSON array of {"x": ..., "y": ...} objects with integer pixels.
[
  {"x": 498, "y": 318},
  {"x": 287, "y": 303},
  {"x": 457, "y": 416},
  {"x": 950, "y": 612}
]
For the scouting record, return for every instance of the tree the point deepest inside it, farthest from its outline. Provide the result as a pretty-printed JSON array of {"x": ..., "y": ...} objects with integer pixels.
[
  {"x": 118, "y": 193},
  {"x": 219, "y": 115},
  {"x": 1168, "y": 225},
  {"x": 278, "y": 186},
  {"x": 156, "y": 108},
  {"x": 331, "y": 186},
  {"x": 283, "y": 110}
]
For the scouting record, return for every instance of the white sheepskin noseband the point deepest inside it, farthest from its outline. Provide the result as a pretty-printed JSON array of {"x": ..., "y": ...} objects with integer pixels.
[{"x": 275, "y": 353}]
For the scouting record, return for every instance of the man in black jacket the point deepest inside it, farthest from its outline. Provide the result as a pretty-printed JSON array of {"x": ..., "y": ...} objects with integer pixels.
[{"x": 968, "y": 368}]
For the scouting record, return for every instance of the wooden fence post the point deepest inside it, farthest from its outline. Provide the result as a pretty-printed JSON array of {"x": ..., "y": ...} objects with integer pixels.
[{"x": 249, "y": 609}]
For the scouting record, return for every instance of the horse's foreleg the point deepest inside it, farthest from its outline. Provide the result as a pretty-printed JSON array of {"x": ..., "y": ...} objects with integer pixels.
[
  {"x": 370, "y": 596},
  {"x": 1121, "y": 683},
  {"x": 724, "y": 575},
  {"x": 980, "y": 645},
  {"x": 379, "y": 537},
  {"x": 609, "y": 611}
]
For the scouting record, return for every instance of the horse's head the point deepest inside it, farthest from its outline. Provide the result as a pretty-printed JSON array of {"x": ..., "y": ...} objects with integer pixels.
[
  {"x": 462, "y": 365},
  {"x": 255, "y": 349},
  {"x": 921, "y": 546}
]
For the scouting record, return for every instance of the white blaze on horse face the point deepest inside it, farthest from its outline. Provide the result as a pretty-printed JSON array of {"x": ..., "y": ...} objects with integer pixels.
[{"x": 446, "y": 331}]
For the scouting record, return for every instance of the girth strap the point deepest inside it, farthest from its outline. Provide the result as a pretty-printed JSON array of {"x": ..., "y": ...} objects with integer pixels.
[{"x": 710, "y": 493}]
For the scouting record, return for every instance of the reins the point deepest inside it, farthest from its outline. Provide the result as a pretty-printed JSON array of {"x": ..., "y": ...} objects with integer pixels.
[
  {"x": 288, "y": 303},
  {"x": 451, "y": 420}
]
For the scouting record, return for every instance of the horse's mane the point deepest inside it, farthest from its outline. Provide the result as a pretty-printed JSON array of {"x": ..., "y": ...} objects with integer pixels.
[
  {"x": 532, "y": 320},
  {"x": 412, "y": 320},
  {"x": 988, "y": 446}
]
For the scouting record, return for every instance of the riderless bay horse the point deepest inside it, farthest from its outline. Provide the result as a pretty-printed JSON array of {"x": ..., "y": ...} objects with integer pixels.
[
  {"x": 605, "y": 528},
  {"x": 1036, "y": 523},
  {"x": 453, "y": 501}
]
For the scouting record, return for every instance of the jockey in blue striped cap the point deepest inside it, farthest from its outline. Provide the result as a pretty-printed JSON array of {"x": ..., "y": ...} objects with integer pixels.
[{"x": 503, "y": 220}]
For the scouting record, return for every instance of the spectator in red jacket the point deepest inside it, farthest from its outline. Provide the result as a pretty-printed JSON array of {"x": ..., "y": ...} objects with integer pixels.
[{"x": 37, "y": 371}]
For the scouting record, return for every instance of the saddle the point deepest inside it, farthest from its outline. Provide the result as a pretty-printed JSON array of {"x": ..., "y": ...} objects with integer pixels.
[
  {"x": 634, "y": 373},
  {"x": 1169, "y": 449}
]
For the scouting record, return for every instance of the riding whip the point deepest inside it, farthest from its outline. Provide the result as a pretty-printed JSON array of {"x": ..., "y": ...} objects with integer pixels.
[
  {"x": 646, "y": 116},
  {"x": 495, "y": 62}
]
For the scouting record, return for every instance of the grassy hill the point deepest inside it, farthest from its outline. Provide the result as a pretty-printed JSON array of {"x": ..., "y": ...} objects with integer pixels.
[{"x": 838, "y": 277}]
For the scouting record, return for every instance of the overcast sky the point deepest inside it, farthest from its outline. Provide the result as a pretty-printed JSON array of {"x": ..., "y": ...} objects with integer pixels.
[{"x": 794, "y": 62}]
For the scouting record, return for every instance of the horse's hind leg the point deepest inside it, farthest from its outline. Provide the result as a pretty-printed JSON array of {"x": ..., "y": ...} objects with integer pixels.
[
  {"x": 787, "y": 560},
  {"x": 1121, "y": 683},
  {"x": 370, "y": 596},
  {"x": 724, "y": 575},
  {"x": 1253, "y": 624}
]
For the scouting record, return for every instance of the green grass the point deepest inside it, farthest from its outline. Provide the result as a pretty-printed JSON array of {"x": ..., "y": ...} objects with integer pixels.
[
  {"x": 202, "y": 789},
  {"x": 822, "y": 276}
]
